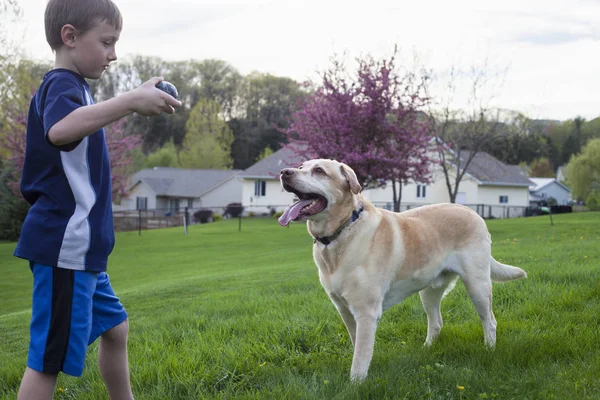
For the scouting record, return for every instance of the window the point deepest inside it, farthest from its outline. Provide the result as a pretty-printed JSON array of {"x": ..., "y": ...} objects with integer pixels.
[
  {"x": 503, "y": 199},
  {"x": 141, "y": 203},
  {"x": 174, "y": 205},
  {"x": 260, "y": 188},
  {"x": 190, "y": 203},
  {"x": 421, "y": 191}
]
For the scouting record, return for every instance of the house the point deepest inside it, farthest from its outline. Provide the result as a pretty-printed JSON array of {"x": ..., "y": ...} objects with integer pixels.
[
  {"x": 544, "y": 189},
  {"x": 261, "y": 190},
  {"x": 490, "y": 187},
  {"x": 174, "y": 189}
]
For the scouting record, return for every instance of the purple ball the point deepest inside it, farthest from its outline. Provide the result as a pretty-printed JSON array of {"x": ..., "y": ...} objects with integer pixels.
[{"x": 168, "y": 88}]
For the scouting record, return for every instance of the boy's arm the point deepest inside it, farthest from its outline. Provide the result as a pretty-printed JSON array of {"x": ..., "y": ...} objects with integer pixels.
[{"x": 146, "y": 100}]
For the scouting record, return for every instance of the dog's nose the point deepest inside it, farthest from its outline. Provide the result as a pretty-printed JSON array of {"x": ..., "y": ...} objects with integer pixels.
[{"x": 287, "y": 172}]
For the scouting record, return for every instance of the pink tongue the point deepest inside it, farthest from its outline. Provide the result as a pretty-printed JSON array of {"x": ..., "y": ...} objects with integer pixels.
[{"x": 291, "y": 213}]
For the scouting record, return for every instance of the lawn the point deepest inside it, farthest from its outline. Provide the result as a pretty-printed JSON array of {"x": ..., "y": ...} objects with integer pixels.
[{"x": 222, "y": 314}]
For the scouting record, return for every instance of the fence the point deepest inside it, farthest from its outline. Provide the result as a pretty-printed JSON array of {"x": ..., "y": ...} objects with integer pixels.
[
  {"x": 164, "y": 218},
  {"x": 486, "y": 211}
]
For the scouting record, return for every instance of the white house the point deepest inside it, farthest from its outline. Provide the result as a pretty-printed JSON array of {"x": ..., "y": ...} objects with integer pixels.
[
  {"x": 261, "y": 189},
  {"x": 490, "y": 187},
  {"x": 543, "y": 189},
  {"x": 174, "y": 189}
]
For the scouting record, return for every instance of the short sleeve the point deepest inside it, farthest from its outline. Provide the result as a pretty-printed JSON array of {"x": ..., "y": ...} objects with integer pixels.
[{"x": 64, "y": 95}]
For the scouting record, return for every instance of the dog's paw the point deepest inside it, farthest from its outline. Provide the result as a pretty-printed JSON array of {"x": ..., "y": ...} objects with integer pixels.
[{"x": 358, "y": 377}]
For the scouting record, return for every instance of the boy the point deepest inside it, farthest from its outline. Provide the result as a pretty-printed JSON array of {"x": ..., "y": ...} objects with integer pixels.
[{"x": 68, "y": 232}]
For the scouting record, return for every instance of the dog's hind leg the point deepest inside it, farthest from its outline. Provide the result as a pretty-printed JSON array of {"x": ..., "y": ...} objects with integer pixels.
[{"x": 431, "y": 297}]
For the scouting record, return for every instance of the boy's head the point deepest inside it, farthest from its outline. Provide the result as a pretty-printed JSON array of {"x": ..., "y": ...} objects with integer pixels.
[
  {"x": 88, "y": 29},
  {"x": 82, "y": 14}
]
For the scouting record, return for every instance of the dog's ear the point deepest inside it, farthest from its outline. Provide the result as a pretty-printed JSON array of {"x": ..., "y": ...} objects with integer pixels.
[{"x": 351, "y": 178}]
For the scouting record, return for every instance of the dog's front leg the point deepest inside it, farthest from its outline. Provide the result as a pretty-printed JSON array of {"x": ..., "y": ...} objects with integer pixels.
[
  {"x": 346, "y": 315},
  {"x": 366, "y": 326}
]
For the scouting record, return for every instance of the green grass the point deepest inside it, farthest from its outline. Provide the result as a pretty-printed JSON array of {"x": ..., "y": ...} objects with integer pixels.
[{"x": 225, "y": 314}]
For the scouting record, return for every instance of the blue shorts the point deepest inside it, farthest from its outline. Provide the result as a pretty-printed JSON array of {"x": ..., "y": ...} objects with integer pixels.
[{"x": 70, "y": 310}]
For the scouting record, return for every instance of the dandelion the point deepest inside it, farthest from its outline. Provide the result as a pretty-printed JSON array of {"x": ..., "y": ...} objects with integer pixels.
[
  {"x": 263, "y": 364},
  {"x": 60, "y": 390},
  {"x": 461, "y": 388}
]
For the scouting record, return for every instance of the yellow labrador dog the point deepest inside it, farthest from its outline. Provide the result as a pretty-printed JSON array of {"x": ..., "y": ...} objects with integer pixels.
[{"x": 370, "y": 259}]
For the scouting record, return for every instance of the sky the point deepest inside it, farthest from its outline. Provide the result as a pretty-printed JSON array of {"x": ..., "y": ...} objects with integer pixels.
[{"x": 542, "y": 57}]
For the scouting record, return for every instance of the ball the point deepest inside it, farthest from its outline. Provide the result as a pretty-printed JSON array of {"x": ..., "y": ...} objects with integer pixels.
[{"x": 168, "y": 88}]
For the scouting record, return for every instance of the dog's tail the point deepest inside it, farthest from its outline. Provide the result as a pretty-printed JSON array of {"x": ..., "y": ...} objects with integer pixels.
[{"x": 504, "y": 272}]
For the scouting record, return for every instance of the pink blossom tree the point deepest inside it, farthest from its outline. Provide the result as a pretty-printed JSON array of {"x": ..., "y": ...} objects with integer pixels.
[
  {"x": 120, "y": 148},
  {"x": 373, "y": 123},
  {"x": 13, "y": 139}
]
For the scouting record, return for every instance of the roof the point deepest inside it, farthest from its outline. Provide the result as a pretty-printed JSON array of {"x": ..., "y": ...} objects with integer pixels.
[
  {"x": 488, "y": 170},
  {"x": 182, "y": 182},
  {"x": 485, "y": 168},
  {"x": 270, "y": 167},
  {"x": 540, "y": 183}
]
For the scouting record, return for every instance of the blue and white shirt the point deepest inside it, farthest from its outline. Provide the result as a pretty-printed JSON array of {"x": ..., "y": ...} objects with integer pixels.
[{"x": 70, "y": 222}]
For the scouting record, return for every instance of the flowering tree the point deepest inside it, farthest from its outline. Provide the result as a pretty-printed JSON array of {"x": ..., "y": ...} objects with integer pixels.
[
  {"x": 373, "y": 124},
  {"x": 13, "y": 139},
  {"x": 120, "y": 148}
]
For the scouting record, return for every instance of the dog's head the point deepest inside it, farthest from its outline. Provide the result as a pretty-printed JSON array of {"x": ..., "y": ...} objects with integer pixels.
[{"x": 320, "y": 185}]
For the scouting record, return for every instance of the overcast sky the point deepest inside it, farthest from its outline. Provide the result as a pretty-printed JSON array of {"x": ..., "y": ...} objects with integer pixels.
[{"x": 549, "y": 49}]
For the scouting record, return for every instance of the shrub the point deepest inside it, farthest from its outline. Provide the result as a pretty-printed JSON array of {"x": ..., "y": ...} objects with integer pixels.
[
  {"x": 203, "y": 216},
  {"x": 233, "y": 210},
  {"x": 593, "y": 201},
  {"x": 217, "y": 217}
]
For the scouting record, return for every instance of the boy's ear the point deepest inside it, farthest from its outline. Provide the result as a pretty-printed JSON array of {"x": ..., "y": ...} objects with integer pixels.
[{"x": 68, "y": 34}]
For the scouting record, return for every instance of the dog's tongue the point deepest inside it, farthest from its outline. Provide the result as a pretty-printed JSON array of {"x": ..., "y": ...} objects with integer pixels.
[{"x": 291, "y": 213}]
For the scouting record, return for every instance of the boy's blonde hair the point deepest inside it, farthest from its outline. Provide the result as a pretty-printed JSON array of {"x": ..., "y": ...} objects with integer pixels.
[{"x": 82, "y": 14}]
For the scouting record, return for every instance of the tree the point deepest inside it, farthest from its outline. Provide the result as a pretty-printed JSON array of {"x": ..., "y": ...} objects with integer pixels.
[
  {"x": 264, "y": 154},
  {"x": 219, "y": 82},
  {"x": 370, "y": 123},
  {"x": 121, "y": 147},
  {"x": 266, "y": 102},
  {"x": 462, "y": 133},
  {"x": 541, "y": 168},
  {"x": 208, "y": 139},
  {"x": 166, "y": 156},
  {"x": 13, "y": 139},
  {"x": 519, "y": 139},
  {"x": 583, "y": 170}
]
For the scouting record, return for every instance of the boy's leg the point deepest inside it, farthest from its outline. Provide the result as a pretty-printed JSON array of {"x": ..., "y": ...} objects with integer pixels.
[
  {"x": 113, "y": 362},
  {"x": 111, "y": 324},
  {"x": 36, "y": 386},
  {"x": 49, "y": 330}
]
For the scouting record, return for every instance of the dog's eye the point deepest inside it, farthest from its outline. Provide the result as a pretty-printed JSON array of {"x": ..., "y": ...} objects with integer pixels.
[{"x": 319, "y": 170}]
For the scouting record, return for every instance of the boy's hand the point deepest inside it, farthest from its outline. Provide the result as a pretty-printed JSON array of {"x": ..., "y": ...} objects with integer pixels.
[{"x": 149, "y": 100}]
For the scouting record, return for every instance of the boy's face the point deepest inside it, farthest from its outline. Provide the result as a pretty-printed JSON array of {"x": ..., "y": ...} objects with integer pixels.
[{"x": 94, "y": 50}]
